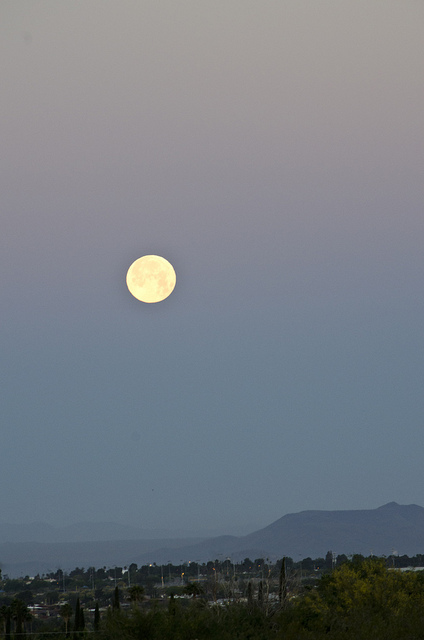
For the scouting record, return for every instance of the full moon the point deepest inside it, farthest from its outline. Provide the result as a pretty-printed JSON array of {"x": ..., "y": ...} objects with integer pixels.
[{"x": 151, "y": 279}]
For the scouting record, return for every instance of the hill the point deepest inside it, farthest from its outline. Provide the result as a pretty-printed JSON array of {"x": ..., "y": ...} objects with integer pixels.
[{"x": 382, "y": 531}]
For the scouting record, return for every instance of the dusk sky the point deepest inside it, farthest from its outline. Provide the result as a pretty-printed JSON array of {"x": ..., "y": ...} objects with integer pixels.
[{"x": 273, "y": 152}]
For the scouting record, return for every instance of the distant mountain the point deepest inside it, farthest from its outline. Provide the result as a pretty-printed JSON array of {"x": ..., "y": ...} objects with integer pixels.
[
  {"x": 30, "y": 558},
  {"x": 381, "y": 531},
  {"x": 82, "y": 532},
  {"x": 96, "y": 531}
]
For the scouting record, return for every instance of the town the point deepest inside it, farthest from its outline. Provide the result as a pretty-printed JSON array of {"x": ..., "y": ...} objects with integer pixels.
[{"x": 86, "y": 601}]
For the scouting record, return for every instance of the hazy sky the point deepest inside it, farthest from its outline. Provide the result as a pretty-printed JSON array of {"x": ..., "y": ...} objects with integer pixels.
[{"x": 273, "y": 152}]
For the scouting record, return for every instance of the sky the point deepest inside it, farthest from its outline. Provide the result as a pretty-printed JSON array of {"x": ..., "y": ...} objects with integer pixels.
[{"x": 273, "y": 152}]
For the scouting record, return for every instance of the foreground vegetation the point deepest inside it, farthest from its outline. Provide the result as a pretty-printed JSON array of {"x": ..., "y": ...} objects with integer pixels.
[{"x": 357, "y": 599}]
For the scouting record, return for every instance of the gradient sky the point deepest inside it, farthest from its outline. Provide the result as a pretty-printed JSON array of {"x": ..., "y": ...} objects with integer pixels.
[{"x": 273, "y": 152}]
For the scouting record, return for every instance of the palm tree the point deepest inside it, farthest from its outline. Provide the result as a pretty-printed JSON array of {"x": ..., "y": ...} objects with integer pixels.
[
  {"x": 193, "y": 589},
  {"x": 66, "y": 612},
  {"x": 136, "y": 593},
  {"x": 4, "y": 613},
  {"x": 19, "y": 612}
]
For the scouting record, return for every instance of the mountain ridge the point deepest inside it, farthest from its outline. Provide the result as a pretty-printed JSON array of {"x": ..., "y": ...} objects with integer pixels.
[
  {"x": 311, "y": 533},
  {"x": 93, "y": 531}
]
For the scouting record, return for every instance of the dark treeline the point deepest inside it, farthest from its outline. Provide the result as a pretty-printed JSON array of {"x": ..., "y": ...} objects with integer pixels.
[
  {"x": 329, "y": 597},
  {"x": 150, "y": 573}
]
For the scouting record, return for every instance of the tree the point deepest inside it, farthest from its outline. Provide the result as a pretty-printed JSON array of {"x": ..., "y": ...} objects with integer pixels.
[
  {"x": 361, "y": 600},
  {"x": 250, "y": 596},
  {"x": 66, "y": 613},
  {"x": 4, "y": 616},
  {"x": 19, "y": 613},
  {"x": 261, "y": 594},
  {"x": 193, "y": 589},
  {"x": 329, "y": 560},
  {"x": 172, "y": 606},
  {"x": 341, "y": 559},
  {"x": 116, "y": 604},
  {"x": 77, "y": 618},
  {"x": 136, "y": 593},
  {"x": 247, "y": 564},
  {"x": 96, "y": 617},
  {"x": 8, "y": 625},
  {"x": 282, "y": 587},
  {"x": 51, "y": 597}
]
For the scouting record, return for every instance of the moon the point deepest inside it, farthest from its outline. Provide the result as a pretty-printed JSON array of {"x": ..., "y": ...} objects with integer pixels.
[{"x": 151, "y": 279}]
